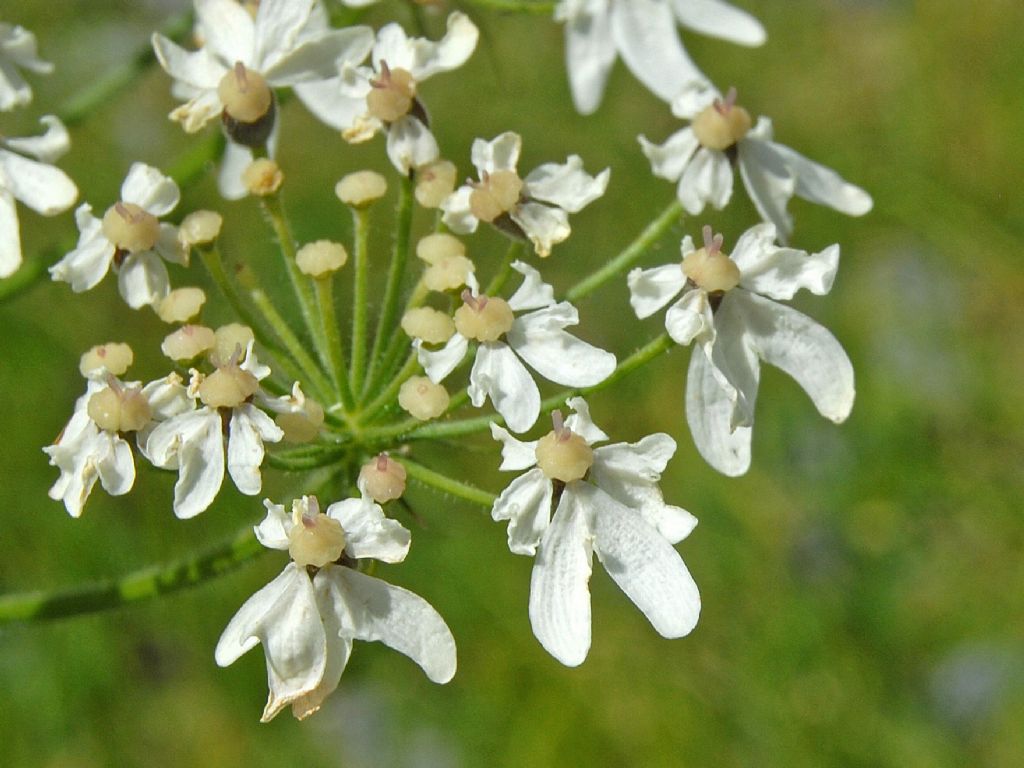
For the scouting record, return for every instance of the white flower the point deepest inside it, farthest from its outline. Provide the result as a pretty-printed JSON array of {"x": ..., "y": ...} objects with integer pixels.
[
  {"x": 644, "y": 33},
  {"x": 538, "y": 337},
  {"x": 701, "y": 158},
  {"x": 18, "y": 49},
  {"x": 193, "y": 442},
  {"x": 510, "y": 203},
  {"x": 308, "y": 616},
  {"x": 38, "y": 184},
  {"x": 606, "y": 500},
  {"x": 129, "y": 237},
  {"x": 723, "y": 308},
  {"x": 287, "y": 43},
  {"x": 366, "y": 100}
]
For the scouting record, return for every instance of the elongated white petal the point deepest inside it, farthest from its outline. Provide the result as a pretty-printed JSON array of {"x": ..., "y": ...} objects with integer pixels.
[
  {"x": 498, "y": 374},
  {"x": 198, "y": 110},
  {"x": 272, "y": 532},
  {"x": 116, "y": 466},
  {"x": 47, "y": 148},
  {"x": 515, "y": 454},
  {"x": 669, "y": 160},
  {"x": 533, "y": 293},
  {"x": 769, "y": 183},
  {"x": 196, "y": 69},
  {"x": 329, "y": 104},
  {"x": 169, "y": 245},
  {"x": 320, "y": 58},
  {"x": 543, "y": 225},
  {"x": 458, "y": 216},
  {"x": 691, "y": 318},
  {"x": 90, "y": 260},
  {"x": 338, "y": 648},
  {"x": 821, "y": 185},
  {"x": 426, "y": 58},
  {"x": 706, "y": 179},
  {"x": 581, "y": 423},
  {"x": 645, "y": 34},
  {"x": 150, "y": 189},
  {"x": 143, "y": 280},
  {"x": 643, "y": 563},
  {"x": 10, "y": 237},
  {"x": 43, "y": 188},
  {"x": 402, "y": 620},
  {"x": 232, "y": 165},
  {"x": 249, "y": 429},
  {"x": 368, "y": 533},
  {"x": 538, "y": 338},
  {"x": 499, "y": 154},
  {"x": 276, "y": 30},
  {"x": 197, "y": 442},
  {"x": 410, "y": 144},
  {"x": 526, "y": 504},
  {"x": 589, "y": 55},
  {"x": 629, "y": 473},
  {"x": 709, "y": 411},
  {"x": 559, "y": 585},
  {"x": 440, "y": 362},
  {"x": 734, "y": 360},
  {"x": 228, "y": 30},
  {"x": 694, "y": 97},
  {"x": 805, "y": 350},
  {"x": 720, "y": 19},
  {"x": 780, "y": 272},
  {"x": 566, "y": 184},
  {"x": 75, "y": 456}
]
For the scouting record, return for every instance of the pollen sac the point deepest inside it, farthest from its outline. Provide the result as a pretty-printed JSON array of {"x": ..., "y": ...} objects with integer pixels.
[
  {"x": 721, "y": 125},
  {"x": 361, "y": 188},
  {"x": 199, "y": 228},
  {"x": 188, "y": 342},
  {"x": 392, "y": 95},
  {"x": 118, "y": 409},
  {"x": 431, "y": 325},
  {"x": 484, "y": 318},
  {"x": 423, "y": 399},
  {"x": 383, "y": 479},
  {"x": 434, "y": 182},
  {"x": 245, "y": 94},
  {"x": 497, "y": 194},
  {"x": 227, "y": 387},
  {"x": 711, "y": 270},
  {"x": 564, "y": 455},
  {"x": 316, "y": 540},
  {"x": 130, "y": 228},
  {"x": 113, "y": 356},
  {"x": 321, "y": 258},
  {"x": 181, "y": 305}
]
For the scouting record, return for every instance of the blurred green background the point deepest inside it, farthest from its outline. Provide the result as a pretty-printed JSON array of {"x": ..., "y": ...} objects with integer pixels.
[{"x": 863, "y": 585}]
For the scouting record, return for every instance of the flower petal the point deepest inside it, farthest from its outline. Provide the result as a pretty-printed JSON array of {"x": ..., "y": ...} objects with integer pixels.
[
  {"x": 515, "y": 454},
  {"x": 538, "y": 338},
  {"x": 368, "y": 533},
  {"x": 566, "y": 184},
  {"x": 90, "y": 260},
  {"x": 589, "y": 55},
  {"x": 196, "y": 440},
  {"x": 437, "y": 364},
  {"x": 452, "y": 51},
  {"x": 327, "y": 102},
  {"x": 780, "y": 272},
  {"x": 822, "y": 185},
  {"x": 719, "y": 19},
  {"x": 228, "y": 30},
  {"x": 707, "y": 179},
  {"x": 652, "y": 289},
  {"x": 734, "y": 361},
  {"x": 544, "y": 226},
  {"x": 498, "y": 374},
  {"x": 43, "y": 188},
  {"x": 47, "y": 148},
  {"x": 150, "y": 189},
  {"x": 458, "y": 216},
  {"x": 10, "y": 238},
  {"x": 249, "y": 429},
  {"x": 691, "y": 318},
  {"x": 338, "y": 649},
  {"x": 273, "y": 531},
  {"x": 322, "y": 57},
  {"x": 197, "y": 69},
  {"x": 143, "y": 279},
  {"x": 669, "y": 160},
  {"x": 410, "y": 144},
  {"x": 116, "y": 467},
  {"x": 709, "y": 412},
  {"x": 533, "y": 293},
  {"x": 769, "y": 182},
  {"x": 276, "y": 29},
  {"x": 581, "y": 423},
  {"x": 499, "y": 154},
  {"x": 526, "y": 504}
]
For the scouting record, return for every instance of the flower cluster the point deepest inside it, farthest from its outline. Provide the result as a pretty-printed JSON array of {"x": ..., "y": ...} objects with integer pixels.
[{"x": 292, "y": 381}]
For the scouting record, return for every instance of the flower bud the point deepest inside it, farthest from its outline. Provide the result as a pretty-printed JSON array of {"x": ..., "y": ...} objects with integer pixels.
[
  {"x": 321, "y": 258},
  {"x": 181, "y": 305},
  {"x": 112, "y": 356},
  {"x": 422, "y": 398},
  {"x": 188, "y": 342},
  {"x": 199, "y": 228},
  {"x": 430, "y": 325},
  {"x": 382, "y": 479},
  {"x": 434, "y": 182},
  {"x": 434, "y": 248},
  {"x": 262, "y": 177},
  {"x": 361, "y": 188},
  {"x": 227, "y": 339}
]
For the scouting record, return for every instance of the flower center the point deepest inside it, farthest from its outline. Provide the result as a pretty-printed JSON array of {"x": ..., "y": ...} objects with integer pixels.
[
  {"x": 383, "y": 479},
  {"x": 119, "y": 409},
  {"x": 496, "y": 193},
  {"x": 391, "y": 94},
  {"x": 228, "y": 387},
  {"x": 709, "y": 267},
  {"x": 722, "y": 124},
  {"x": 245, "y": 94},
  {"x": 483, "y": 318},
  {"x": 130, "y": 228},
  {"x": 315, "y": 539},
  {"x": 562, "y": 454}
]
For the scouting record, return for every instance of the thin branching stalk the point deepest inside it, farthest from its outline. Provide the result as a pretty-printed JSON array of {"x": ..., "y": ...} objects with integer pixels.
[
  {"x": 445, "y": 484},
  {"x": 324, "y": 287},
  {"x": 360, "y": 256}
]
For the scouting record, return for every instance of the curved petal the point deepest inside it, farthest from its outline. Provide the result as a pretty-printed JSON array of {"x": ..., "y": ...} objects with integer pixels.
[
  {"x": 559, "y": 585},
  {"x": 498, "y": 374},
  {"x": 203, "y": 107},
  {"x": 196, "y": 69},
  {"x": 499, "y": 154},
  {"x": 249, "y": 429},
  {"x": 437, "y": 364},
  {"x": 589, "y": 55},
  {"x": 149, "y": 189},
  {"x": 515, "y": 454},
  {"x": 378, "y": 611},
  {"x": 43, "y": 188},
  {"x": 228, "y": 30},
  {"x": 232, "y": 165},
  {"x": 198, "y": 442},
  {"x": 694, "y": 98},
  {"x": 368, "y": 533},
  {"x": 457, "y": 215},
  {"x": 822, "y": 185},
  {"x": 533, "y": 293},
  {"x": 707, "y": 179},
  {"x": 448, "y": 53},
  {"x": 322, "y": 57},
  {"x": 545, "y": 226},
  {"x": 669, "y": 160},
  {"x": 558, "y": 356},
  {"x": 410, "y": 144},
  {"x": 142, "y": 279},
  {"x": 327, "y": 102},
  {"x": 47, "y": 148},
  {"x": 526, "y": 504},
  {"x": 734, "y": 360},
  {"x": 709, "y": 409},
  {"x": 272, "y": 533},
  {"x": 643, "y": 563},
  {"x": 116, "y": 467},
  {"x": 780, "y": 272},
  {"x": 720, "y": 19},
  {"x": 89, "y": 262},
  {"x": 10, "y": 237},
  {"x": 652, "y": 289},
  {"x": 566, "y": 184},
  {"x": 581, "y": 423},
  {"x": 338, "y": 650},
  {"x": 769, "y": 182},
  {"x": 276, "y": 29},
  {"x": 691, "y": 318}
]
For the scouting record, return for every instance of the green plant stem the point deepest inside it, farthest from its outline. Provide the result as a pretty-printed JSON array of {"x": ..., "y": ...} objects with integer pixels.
[
  {"x": 520, "y": 6},
  {"x": 133, "y": 587},
  {"x": 515, "y": 250},
  {"x": 301, "y": 459},
  {"x": 387, "y": 320},
  {"x": 630, "y": 254},
  {"x": 360, "y": 255},
  {"x": 332, "y": 333},
  {"x": 382, "y": 400},
  {"x": 445, "y": 484},
  {"x": 312, "y": 374}
]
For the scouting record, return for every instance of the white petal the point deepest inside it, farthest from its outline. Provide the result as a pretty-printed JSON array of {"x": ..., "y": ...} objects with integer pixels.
[
  {"x": 232, "y": 165},
  {"x": 458, "y": 216},
  {"x": 437, "y": 364},
  {"x": 142, "y": 279},
  {"x": 780, "y": 272},
  {"x": 47, "y": 148},
  {"x": 559, "y": 591},
  {"x": 410, "y": 144},
  {"x": 249, "y": 429},
  {"x": 515, "y": 454},
  {"x": 276, "y": 29},
  {"x": 589, "y": 55},
  {"x": 629, "y": 473},
  {"x": 645, "y": 34},
  {"x": 499, "y": 154},
  {"x": 769, "y": 183},
  {"x": 498, "y": 374},
  {"x": 533, "y": 293},
  {"x": 10, "y": 238},
  {"x": 116, "y": 467},
  {"x": 709, "y": 409},
  {"x": 566, "y": 184},
  {"x": 228, "y": 30},
  {"x": 89, "y": 262},
  {"x": 581, "y": 423},
  {"x": 198, "y": 110},
  {"x": 322, "y": 57},
  {"x": 526, "y": 504},
  {"x": 450, "y": 52},
  {"x": 339, "y": 648},
  {"x": 643, "y": 564},
  {"x": 691, "y": 318},
  {"x": 273, "y": 531},
  {"x": 378, "y": 611},
  {"x": 707, "y": 179},
  {"x": 544, "y": 226},
  {"x": 822, "y": 185},
  {"x": 652, "y": 289},
  {"x": 198, "y": 442},
  {"x": 734, "y": 360},
  {"x": 325, "y": 99},
  {"x": 719, "y": 19},
  {"x": 167, "y": 397},
  {"x": 43, "y": 188},
  {"x": 149, "y": 189},
  {"x": 694, "y": 98},
  {"x": 170, "y": 246},
  {"x": 805, "y": 350},
  {"x": 669, "y": 160},
  {"x": 368, "y": 533},
  {"x": 196, "y": 69},
  {"x": 558, "y": 356}
]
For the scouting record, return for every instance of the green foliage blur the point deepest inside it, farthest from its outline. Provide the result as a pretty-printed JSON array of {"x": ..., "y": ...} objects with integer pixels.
[{"x": 863, "y": 585}]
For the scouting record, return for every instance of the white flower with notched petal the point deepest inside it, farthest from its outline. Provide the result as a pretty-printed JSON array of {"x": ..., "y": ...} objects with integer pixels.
[
  {"x": 130, "y": 238},
  {"x": 701, "y": 158},
  {"x": 606, "y": 501},
  {"x": 538, "y": 337},
  {"x": 309, "y": 615},
  {"x": 38, "y": 184},
  {"x": 193, "y": 442},
  {"x": 18, "y": 50},
  {"x": 644, "y": 33},
  {"x": 511, "y": 204},
  {"x": 725, "y": 310},
  {"x": 366, "y": 100}
]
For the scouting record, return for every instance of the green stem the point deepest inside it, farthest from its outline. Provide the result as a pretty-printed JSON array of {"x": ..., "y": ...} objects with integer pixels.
[
  {"x": 518, "y": 6},
  {"x": 629, "y": 255},
  {"x": 445, "y": 484},
  {"x": 515, "y": 250},
  {"x": 387, "y": 396},
  {"x": 133, "y": 587},
  {"x": 317, "y": 381},
  {"x": 300, "y": 459},
  {"x": 332, "y": 333},
  {"x": 386, "y": 322},
  {"x": 361, "y": 224}
]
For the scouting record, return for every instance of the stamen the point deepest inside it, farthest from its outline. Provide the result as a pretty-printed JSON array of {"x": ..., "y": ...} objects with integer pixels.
[
  {"x": 476, "y": 303},
  {"x": 241, "y": 77},
  {"x": 708, "y": 239},
  {"x": 558, "y": 422},
  {"x": 126, "y": 213},
  {"x": 730, "y": 97},
  {"x": 114, "y": 384},
  {"x": 382, "y": 462},
  {"x": 716, "y": 244},
  {"x": 385, "y": 76}
]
